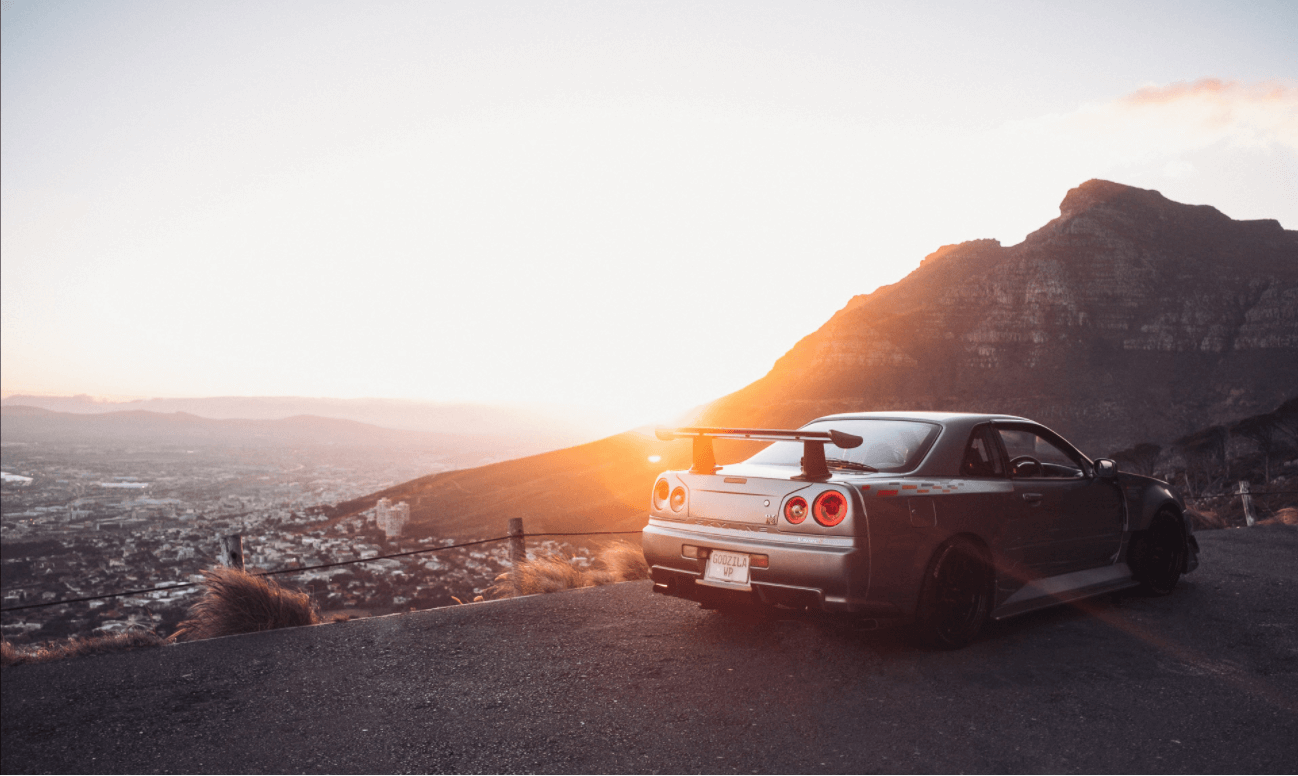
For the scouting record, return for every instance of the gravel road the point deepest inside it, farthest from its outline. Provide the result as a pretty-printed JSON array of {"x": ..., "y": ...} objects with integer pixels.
[{"x": 616, "y": 679}]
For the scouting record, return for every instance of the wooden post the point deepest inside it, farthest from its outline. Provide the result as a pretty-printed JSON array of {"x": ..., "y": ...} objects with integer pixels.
[
  {"x": 231, "y": 551},
  {"x": 517, "y": 546},
  {"x": 1249, "y": 517}
]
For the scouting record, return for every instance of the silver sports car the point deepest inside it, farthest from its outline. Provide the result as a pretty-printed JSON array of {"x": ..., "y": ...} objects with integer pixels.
[{"x": 945, "y": 519}]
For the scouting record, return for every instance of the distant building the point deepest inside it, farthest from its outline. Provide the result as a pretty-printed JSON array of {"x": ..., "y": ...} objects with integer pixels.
[{"x": 391, "y": 518}]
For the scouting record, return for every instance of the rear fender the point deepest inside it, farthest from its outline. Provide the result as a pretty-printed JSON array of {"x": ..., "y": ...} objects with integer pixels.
[
  {"x": 930, "y": 559},
  {"x": 901, "y": 551}
]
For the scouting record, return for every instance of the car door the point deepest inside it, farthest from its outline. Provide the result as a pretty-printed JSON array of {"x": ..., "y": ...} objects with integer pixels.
[
  {"x": 1074, "y": 520},
  {"x": 999, "y": 515},
  {"x": 1096, "y": 514},
  {"x": 1038, "y": 527}
]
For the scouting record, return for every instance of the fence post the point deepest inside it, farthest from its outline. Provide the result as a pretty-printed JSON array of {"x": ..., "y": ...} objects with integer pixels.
[
  {"x": 231, "y": 551},
  {"x": 517, "y": 546},
  {"x": 1249, "y": 517}
]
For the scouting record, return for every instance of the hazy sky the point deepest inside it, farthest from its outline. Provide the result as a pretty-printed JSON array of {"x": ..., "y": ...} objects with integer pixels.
[{"x": 632, "y": 207}]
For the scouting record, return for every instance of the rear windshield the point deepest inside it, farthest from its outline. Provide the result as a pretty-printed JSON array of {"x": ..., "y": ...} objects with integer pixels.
[{"x": 888, "y": 445}]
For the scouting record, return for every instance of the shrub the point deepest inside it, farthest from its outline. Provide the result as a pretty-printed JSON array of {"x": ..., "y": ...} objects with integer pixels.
[
  {"x": 543, "y": 574},
  {"x": 618, "y": 562},
  {"x": 624, "y": 562},
  {"x": 1286, "y": 516},
  {"x": 238, "y": 602},
  {"x": 1207, "y": 519},
  {"x": 76, "y": 646}
]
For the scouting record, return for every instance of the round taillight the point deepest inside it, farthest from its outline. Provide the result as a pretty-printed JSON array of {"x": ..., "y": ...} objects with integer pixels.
[
  {"x": 829, "y": 508},
  {"x": 796, "y": 510},
  {"x": 661, "y": 491},
  {"x": 678, "y": 499}
]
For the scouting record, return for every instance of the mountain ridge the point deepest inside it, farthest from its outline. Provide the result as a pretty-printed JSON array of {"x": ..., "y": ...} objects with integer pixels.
[
  {"x": 37, "y": 424},
  {"x": 542, "y": 429},
  {"x": 980, "y": 326}
]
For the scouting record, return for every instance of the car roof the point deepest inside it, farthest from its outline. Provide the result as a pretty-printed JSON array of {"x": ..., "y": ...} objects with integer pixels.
[
  {"x": 934, "y": 417},
  {"x": 948, "y": 449}
]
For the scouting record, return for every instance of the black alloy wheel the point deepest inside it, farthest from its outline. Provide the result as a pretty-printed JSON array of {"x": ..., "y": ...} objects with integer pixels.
[
  {"x": 1157, "y": 554},
  {"x": 956, "y": 596}
]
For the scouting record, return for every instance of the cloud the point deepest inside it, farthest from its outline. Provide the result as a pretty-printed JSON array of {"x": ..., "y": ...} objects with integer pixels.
[
  {"x": 1211, "y": 110},
  {"x": 1158, "y": 123},
  {"x": 1212, "y": 89}
]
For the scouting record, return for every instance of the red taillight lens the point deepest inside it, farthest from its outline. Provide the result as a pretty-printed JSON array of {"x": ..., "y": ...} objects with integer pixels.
[
  {"x": 796, "y": 510},
  {"x": 678, "y": 499},
  {"x": 661, "y": 492},
  {"x": 829, "y": 508}
]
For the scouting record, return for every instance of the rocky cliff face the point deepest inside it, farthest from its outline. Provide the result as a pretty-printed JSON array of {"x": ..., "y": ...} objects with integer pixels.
[{"x": 1128, "y": 318}]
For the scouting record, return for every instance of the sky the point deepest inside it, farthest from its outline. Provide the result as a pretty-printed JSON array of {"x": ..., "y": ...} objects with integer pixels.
[{"x": 626, "y": 208}]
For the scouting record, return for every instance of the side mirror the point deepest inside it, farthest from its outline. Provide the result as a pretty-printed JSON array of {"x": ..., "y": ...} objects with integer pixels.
[{"x": 1106, "y": 468}]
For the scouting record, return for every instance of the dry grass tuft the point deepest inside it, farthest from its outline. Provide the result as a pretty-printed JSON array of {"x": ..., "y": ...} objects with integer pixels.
[
  {"x": 544, "y": 574},
  {"x": 1286, "y": 516},
  {"x": 238, "y": 602},
  {"x": 78, "y": 646},
  {"x": 618, "y": 562},
  {"x": 624, "y": 562},
  {"x": 1207, "y": 519}
]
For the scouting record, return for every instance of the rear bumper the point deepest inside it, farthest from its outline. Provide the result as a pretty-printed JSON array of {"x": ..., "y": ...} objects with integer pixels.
[{"x": 825, "y": 577}]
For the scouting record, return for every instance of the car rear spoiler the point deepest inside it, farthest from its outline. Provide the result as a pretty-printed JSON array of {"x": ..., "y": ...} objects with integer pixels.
[{"x": 813, "y": 445}]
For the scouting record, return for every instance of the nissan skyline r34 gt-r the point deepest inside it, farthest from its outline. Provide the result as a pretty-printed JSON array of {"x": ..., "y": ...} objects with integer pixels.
[{"x": 944, "y": 519}]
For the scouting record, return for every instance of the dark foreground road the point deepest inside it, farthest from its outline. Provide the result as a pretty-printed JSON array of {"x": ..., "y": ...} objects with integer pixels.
[{"x": 617, "y": 680}]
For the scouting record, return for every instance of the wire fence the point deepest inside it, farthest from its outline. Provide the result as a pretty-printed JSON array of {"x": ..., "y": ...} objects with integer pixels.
[
  {"x": 298, "y": 569},
  {"x": 1253, "y": 493}
]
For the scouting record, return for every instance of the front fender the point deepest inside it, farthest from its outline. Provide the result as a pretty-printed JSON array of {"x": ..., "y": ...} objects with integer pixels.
[{"x": 1145, "y": 498}]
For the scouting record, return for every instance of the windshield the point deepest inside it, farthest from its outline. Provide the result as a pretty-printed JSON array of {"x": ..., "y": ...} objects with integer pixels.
[{"x": 887, "y": 446}]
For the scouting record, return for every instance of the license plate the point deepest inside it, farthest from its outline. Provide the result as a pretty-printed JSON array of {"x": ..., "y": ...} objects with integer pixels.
[{"x": 727, "y": 567}]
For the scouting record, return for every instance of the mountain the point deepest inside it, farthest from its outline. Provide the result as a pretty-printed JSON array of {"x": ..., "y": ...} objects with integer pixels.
[
  {"x": 1129, "y": 318},
  {"x": 527, "y": 429},
  {"x": 23, "y": 424}
]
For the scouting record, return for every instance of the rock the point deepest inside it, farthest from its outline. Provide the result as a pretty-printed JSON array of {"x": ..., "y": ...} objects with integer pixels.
[{"x": 1128, "y": 318}]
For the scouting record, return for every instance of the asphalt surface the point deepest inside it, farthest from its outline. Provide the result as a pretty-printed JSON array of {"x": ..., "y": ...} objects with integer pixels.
[{"x": 616, "y": 679}]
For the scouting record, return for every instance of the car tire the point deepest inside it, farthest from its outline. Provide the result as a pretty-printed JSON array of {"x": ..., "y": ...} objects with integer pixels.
[
  {"x": 955, "y": 598},
  {"x": 1157, "y": 554}
]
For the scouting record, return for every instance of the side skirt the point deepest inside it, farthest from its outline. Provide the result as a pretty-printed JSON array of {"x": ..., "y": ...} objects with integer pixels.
[{"x": 1052, "y": 591}]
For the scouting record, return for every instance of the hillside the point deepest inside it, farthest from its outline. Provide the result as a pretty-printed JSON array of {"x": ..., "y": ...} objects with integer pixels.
[
  {"x": 1129, "y": 318},
  {"x": 599, "y": 486}
]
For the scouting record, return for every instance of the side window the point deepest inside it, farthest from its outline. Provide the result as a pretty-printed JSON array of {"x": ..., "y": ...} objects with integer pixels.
[
  {"x": 1032, "y": 455},
  {"x": 981, "y": 458}
]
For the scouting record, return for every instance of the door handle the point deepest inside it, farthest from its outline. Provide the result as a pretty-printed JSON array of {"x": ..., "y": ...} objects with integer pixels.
[{"x": 1032, "y": 498}]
